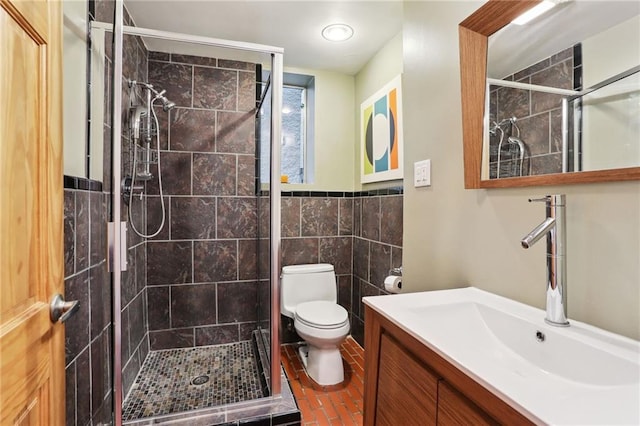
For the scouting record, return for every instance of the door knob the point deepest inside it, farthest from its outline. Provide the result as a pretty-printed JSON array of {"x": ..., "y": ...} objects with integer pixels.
[{"x": 60, "y": 310}]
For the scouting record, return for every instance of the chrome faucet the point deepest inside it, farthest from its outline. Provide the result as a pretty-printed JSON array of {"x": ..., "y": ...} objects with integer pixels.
[{"x": 554, "y": 228}]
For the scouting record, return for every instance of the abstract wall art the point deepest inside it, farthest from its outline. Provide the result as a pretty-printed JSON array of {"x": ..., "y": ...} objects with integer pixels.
[{"x": 381, "y": 134}]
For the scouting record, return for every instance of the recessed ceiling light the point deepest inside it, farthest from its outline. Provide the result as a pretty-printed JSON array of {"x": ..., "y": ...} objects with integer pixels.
[{"x": 337, "y": 32}]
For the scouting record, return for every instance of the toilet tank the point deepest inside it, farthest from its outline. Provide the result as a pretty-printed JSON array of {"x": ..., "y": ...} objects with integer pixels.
[{"x": 306, "y": 283}]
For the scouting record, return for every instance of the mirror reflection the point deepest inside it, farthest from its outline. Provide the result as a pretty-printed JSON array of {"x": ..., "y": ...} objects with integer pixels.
[{"x": 562, "y": 98}]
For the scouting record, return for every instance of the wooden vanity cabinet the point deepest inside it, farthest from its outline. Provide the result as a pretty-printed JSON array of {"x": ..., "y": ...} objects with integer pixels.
[{"x": 406, "y": 383}]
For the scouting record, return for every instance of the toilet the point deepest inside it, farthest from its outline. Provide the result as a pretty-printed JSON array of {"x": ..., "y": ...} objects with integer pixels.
[{"x": 309, "y": 296}]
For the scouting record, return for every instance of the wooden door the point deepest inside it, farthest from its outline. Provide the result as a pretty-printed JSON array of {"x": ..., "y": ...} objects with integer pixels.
[{"x": 31, "y": 213}]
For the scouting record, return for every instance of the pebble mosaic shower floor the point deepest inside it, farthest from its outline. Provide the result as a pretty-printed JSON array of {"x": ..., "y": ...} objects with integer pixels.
[{"x": 177, "y": 380}]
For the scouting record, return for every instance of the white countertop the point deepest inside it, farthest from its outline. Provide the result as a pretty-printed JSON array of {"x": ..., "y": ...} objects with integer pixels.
[{"x": 579, "y": 375}]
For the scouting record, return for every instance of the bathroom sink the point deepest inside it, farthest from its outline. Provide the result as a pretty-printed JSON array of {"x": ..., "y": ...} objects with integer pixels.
[{"x": 560, "y": 375}]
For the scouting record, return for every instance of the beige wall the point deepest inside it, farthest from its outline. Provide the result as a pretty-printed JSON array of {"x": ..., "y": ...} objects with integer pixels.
[
  {"x": 334, "y": 131},
  {"x": 455, "y": 237},
  {"x": 380, "y": 69},
  {"x": 75, "y": 87}
]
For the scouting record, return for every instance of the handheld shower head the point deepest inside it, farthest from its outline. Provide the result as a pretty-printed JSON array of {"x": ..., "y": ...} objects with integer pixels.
[{"x": 167, "y": 105}]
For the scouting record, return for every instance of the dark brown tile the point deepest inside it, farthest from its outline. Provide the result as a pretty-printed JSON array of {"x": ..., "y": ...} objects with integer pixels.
[
  {"x": 217, "y": 335},
  {"x": 512, "y": 102},
  {"x": 77, "y": 335},
  {"x": 159, "y": 56},
  {"x": 366, "y": 290},
  {"x": 345, "y": 222},
  {"x": 560, "y": 76},
  {"x": 176, "y": 174},
  {"x": 264, "y": 218},
  {"x": 562, "y": 55},
  {"x": 129, "y": 57},
  {"x": 246, "y": 175},
  {"x": 246, "y": 91},
  {"x": 193, "y": 130},
  {"x": 137, "y": 325},
  {"x": 237, "y": 218},
  {"x": 290, "y": 216},
  {"x": 195, "y": 60},
  {"x": 129, "y": 373},
  {"x": 534, "y": 132},
  {"x": 176, "y": 79},
  {"x": 214, "y": 174},
  {"x": 391, "y": 220},
  {"x": 100, "y": 296},
  {"x": 215, "y": 261},
  {"x": 70, "y": 393},
  {"x": 237, "y": 302},
  {"x": 193, "y": 218},
  {"x": 168, "y": 262},
  {"x": 193, "y": 305},
  {"x": 99, "y": 372},
  {"x": 171, "y": 339},
  {"x": 357, "y": 217},
  {"x": 83, "y": 391},
  {"x": 297, "y": 251},
  {"x": 396, "y": 257},
  {"x": 104, "y": 10},
  {"x": 215, "y": 88},
  {"x": 247, "y": 259},
  {"x": 164, "y": 117},
  {"x": 338, "y": 252},
  {"x": 380, "y": 263},
  {"x": 344, "y": 291},
  {"x": 236, "y": 65},
  {"x": 69, "y": 232},
  {"x": 158, "y": 307},
  {"x": 361, "y": 258},
  {"x": 98, "y": 251},
  {"x": 555, "y": 123},
  {"x": 544, "y": 164},
  {"x": 538, "y": 66},
  {"x": 82, "y": 230},
  {"x": 355, "y": 298},
  {"x": 319, "y": 216},
  {"x": 154, "y": 217},
  {"x": 235, "y": 132},
  {"x": 371, "y": 218}
]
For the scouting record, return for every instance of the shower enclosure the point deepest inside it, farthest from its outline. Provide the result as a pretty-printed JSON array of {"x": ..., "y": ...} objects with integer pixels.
[{"x": 194, "y": 236}]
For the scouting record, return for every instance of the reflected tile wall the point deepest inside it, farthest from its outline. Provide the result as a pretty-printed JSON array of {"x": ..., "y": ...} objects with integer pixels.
[
  {"x": 538, "y": 115},
  {"x": 201, "y": 269}
]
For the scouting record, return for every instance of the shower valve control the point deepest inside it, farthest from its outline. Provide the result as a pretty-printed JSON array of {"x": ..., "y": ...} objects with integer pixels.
[{"x": 422, "y": 173}]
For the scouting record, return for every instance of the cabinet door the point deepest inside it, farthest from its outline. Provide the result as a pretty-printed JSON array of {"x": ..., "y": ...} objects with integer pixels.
[
  {"x": 407, "y": 391},
  {"x": 455, "y": 409}
]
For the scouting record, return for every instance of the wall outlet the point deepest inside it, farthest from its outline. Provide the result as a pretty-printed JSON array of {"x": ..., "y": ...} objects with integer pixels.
[{"x": 422, "y": 173}]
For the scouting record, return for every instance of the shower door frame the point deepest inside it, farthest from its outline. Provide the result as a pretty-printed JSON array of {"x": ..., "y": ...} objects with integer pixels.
[{"x": 117, "y": 228}]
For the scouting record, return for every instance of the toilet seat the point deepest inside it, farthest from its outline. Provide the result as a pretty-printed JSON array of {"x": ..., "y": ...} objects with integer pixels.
[{"x": 321, "y": 314}]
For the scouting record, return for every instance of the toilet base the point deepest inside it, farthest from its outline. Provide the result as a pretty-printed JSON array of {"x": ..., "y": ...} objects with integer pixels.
[{"x": 324, "y": 366}]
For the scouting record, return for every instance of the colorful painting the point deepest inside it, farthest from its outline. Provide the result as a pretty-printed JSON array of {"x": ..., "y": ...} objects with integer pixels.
[{"x": 381, "y": 134}]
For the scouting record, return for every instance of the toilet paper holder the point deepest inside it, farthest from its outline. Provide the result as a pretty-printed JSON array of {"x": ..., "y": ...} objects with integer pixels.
[{"x": 396, "y": 271}]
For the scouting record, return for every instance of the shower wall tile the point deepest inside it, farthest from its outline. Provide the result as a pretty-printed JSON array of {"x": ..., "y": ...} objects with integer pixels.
[
  {"x": 194, "y": 60},
  {"x": 83, "y": 390},
  {"x": 169, "y": 262},
  {"x": 159, "y": 56},
  {"x": 215, "y": 261},
  {"x": 238, "y": 302},
  {"x": 237, "y": 217},
  {"x": 215, "y": 88},
  {"x": 154, "y": 218},
  {"x": 164, "y": 117},
  {"x": 100, "y": 295},
  {"x": 82, "y": 230},
  {"x": 247, "y": 259},
  {"x": 191, "y": 218},
  {"x": 217, "y": 335},
  {"x": 69, "y": 232},
  {"x": 176, "y": 79},
  {"x": 290, "y": 217},
  {"x": 246, "y": 176},
  {"x": 237, "y": 65},
  {"x": 175, "y": 166},
  {"x": 214, "y": 174},
  {"x": 193, "y": 130},
  {"x": 158, "y": 307},
  {"x": 171, "y": 339},
  {"x": 77, "y": 335},
  {"x": 246, "y": 90},
  {"x": 189, "y": 299},
  {"x": 535, "y": 130},
  {"x": 235, "y": 132}
]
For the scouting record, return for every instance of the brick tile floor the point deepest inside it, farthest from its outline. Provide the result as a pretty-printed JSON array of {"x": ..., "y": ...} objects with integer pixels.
[{"x": 328, "y": 405}]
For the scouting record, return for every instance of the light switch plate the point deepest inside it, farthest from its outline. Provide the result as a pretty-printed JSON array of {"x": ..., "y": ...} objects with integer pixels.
[{"x": 422, "y": 173}]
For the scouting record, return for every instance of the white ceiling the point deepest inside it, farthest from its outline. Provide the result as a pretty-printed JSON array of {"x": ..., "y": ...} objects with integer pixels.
[{"x": 292, "y": 25}]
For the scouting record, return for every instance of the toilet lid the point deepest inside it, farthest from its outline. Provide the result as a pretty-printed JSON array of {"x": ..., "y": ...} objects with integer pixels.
[{"x": 321, "y": 314}]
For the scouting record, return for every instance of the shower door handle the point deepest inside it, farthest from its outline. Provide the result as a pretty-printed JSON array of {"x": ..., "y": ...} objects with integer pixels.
[{"x": 60, "y": 311}]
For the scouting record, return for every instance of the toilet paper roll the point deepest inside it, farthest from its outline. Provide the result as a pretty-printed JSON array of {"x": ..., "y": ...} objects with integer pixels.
[{"x": 393, "y": 284}]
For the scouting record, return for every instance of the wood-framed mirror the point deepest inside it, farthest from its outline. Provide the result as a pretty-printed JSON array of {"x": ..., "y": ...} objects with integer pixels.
[{"x": 474, "y": 33}]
